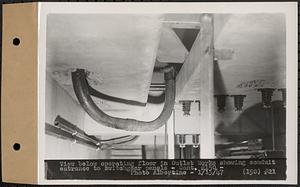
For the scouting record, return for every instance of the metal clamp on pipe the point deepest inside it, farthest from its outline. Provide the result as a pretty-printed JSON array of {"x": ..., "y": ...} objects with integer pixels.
[{"x": 84, "y": 97}]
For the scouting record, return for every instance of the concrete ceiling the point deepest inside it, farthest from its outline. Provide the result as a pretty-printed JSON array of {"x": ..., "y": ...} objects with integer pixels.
[
  {"x": 118, "y": 50},
  {"x": 258, "y": 42}
]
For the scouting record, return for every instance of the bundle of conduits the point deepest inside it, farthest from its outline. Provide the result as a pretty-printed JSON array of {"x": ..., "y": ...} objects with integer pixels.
[
  {"x": 84, "y": 92},
  {"x": 115, "y": 142},
  {"x": 66, "y": 129}
]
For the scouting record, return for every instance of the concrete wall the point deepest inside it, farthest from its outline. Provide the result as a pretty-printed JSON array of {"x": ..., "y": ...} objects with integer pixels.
[{"x": 58, "y": 102}]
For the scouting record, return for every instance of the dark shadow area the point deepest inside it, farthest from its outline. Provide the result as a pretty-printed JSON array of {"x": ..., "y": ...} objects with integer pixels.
[
  {"x": 187, "y": 36},
  {"x": 256, "y": 123},
  {"x": 219, "y": 85}
]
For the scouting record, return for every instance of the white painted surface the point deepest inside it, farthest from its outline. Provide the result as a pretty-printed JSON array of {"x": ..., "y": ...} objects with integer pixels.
[
  {"x": 187, "y": 124},
  {"x": 170, "y": 137},
  {"x": 59, "y": 102}
]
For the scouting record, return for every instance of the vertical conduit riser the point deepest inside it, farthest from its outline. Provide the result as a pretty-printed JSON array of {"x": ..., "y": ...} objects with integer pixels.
[{"x": 83, "y": 95}]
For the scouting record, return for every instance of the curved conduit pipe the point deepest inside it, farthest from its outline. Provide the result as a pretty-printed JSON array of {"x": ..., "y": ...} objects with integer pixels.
[
  {"x": 106, "y": 146},
  {"x": 151, "y": 99},
  {"x": 160, "y": 98},
  {"x": 101, "y": 95},
  {"x": 156, "y": 99},
  {"x": 84, "y": 97},
  {"x": 73, "y": 130}
]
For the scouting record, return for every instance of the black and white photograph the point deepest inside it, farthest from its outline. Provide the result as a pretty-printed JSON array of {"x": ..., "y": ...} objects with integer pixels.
[{"x": 164, "y": 92}]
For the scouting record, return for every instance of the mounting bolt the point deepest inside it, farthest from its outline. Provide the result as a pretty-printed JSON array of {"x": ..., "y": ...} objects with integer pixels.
[
  {"x": 266, "y": 96},
  {"x": 186, "y": 107},
  {"x": 283, "y": 94},
  {"x": 238, "y": 102},
  {"x": 221, "y": 102}
]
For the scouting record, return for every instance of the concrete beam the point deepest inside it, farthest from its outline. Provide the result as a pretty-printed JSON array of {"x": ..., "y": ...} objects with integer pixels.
[
  {"x": 189, "y": 80},
  {"x": 171, "y": 48},
  {"x": 182, "y": 24},
  {"x": 196, "y": 81}
]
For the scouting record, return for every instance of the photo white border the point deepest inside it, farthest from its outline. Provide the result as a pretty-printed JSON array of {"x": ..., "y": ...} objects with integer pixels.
[{"x": 288, "y": 8}]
